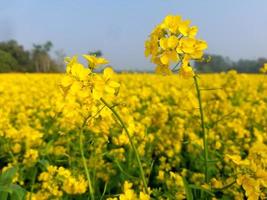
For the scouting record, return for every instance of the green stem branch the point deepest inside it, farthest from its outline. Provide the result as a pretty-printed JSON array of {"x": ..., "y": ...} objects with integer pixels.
[
  {"x": 91, "y": 191},
  {"x": 131, "y": 142},
  {"x": 204, "y": 136}
]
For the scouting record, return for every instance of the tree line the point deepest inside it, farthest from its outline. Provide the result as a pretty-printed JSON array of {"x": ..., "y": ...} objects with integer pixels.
[
  {"x": 218, "y": 63},
  {"x": 14, "y": 58}
]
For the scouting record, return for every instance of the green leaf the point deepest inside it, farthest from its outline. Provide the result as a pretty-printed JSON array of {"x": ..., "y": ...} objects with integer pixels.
[
  {"x": 3, "y": 195},
  {"x": 5, "y": 188},
  {"x": 43, "y": 163},
  {"x": 188, "y": 191},
  {"x": 18, "y": 193},
  {"x": 201, "y": 189},
  {"x": 7, "y": 176}
]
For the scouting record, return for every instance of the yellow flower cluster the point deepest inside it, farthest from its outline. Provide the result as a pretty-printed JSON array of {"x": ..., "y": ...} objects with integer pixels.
[
  {"x": 54, "y": 135},
  {"x": 86, "y": 83},
  {"x": 251, "y": 171},
  {"x": 264, "y": 69},
  {"x": 129, "y": 193},
  {"x": 38, "y": 128},
  {"x": 173, "y": 41},
  {"x": 83, "y": 89},
  {"x": 58, "y": 180}
]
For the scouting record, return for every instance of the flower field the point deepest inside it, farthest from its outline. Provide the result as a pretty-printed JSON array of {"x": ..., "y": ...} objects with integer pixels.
[
  {"x": 135, "y": 136},
  {"x": 42, "y": 131}
]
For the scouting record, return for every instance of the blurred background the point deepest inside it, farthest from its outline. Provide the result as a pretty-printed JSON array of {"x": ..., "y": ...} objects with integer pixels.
[{"x": 35, "y": 36}]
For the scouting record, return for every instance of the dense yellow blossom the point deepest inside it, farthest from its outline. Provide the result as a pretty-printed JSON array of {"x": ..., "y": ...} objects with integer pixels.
[
  {"x": 39, "y": 126},
  {"x": 264, "y": 68},
  {"x": 174, "y": 42}
]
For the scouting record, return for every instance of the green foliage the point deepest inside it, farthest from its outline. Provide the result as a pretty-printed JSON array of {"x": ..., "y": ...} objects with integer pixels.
[
  {"x": 40, "y": 57},
  {"x": 97, "y": 53},
  {"x": 17, "y": 51},
  {"x": 8, "y": 190},
  {"x": 218, "y": 63},
  {"x": 7, "y": 62},
  {"x": 13, "y": 57},
  {"x": 188, "y": 190}
]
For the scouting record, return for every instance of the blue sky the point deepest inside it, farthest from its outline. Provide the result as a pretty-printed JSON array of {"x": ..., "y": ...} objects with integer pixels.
[{"x": 234, "y": 28}]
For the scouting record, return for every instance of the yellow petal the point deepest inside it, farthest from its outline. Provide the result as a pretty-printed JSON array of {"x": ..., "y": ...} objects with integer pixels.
[
  {"x": 114, "y": 84},
  {"x": 164, "y": 59},
  {"x": 184, "y": 27},
  {"x": 172, "y": 42},
  {"x": 108, "y": 72},
  {"x": 163, "y": 43},
  {"x": 192, "y": 31},
  {"x": 66, "y": 81},
  {"x": 109, "y": 89}
]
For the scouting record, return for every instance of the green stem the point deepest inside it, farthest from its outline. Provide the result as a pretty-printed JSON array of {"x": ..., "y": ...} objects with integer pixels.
[
  {"x": 131, "y": 143},
  {"x": 33, "y": 182},
  {"x": 225, "y": 187},
  {"x": 91, "y": 191},
  {"x": 204, "y": 136}
]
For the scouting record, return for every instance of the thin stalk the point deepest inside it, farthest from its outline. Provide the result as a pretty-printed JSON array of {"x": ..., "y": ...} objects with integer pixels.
[
  {"x": 91, "y": 191},
  {"x": 33, "y": 182},
  {"x": 225, "y": 187},
  {"x": 204, "y": 136},
  {"x": 131, "y": 142}
]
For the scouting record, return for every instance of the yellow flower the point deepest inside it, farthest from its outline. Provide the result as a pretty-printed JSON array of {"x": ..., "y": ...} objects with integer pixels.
[
  {"x": 250, "y": 185},
  {"x": 105, "y": 84},
  {"x": 192, "y": 47},
  {"x": 72, "y": 185},
  {"x": 81, "y": 84},
  {"x": 264, "y": 69},
  {"x": 127, "y": 185},
  {"x": 262, "y": 177},
  {"x": 172, "y": 23},
  {"x": 185, "y": 70},
  {"x": 74, "y": 71},
  {"x": 161, "y": 175},
  {"x": 237, "y": 159},
  {"x": 170, "y": 42},
  {"x": 79, "y": 72},
  {"x": 168, "y": 57},
  {"x": 16, "y": 148},
  {"x": 110, "y": 85},
  {"x": 151, "y": 48},
  {"x": 94, "y": 61},
  {"x": 163, "y": 69},
  {"x": 144, "y": 196},
  {"x": 66, "y": 81},
  {"x": 184, "y": 27},
  {"x": 58, "y": 179},
  {"x": 30, "y": 157},
  {"x": 192, "y": 32}
]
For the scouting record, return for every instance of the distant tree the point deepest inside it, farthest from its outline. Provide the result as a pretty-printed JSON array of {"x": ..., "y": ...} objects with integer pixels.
[
  {"x": 244, "y": 65},
  {"x": 219, "y": 63},
  {"x": 249, "y": 66},
  {"x": 7, "y": 62},
  {"x": 97, "y": 53},
  {"x": 214, "y": 63},
  {"x": 60, "y": 55},
  {"x": 41, "y": 58},
  {"x": 18, "y": 53},
  {"x": 36, "y": 60}
]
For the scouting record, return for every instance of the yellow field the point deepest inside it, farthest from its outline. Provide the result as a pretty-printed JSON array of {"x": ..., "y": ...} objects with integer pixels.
[{"x": 40, "y": 139}]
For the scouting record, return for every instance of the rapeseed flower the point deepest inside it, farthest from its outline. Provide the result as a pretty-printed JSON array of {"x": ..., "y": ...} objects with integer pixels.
[{"x": 173, "y": 42}]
